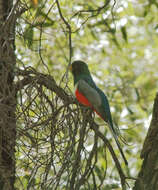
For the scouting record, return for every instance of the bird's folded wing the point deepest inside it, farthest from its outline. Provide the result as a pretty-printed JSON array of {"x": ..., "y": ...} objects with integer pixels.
[{"x": 89, "y": 92}]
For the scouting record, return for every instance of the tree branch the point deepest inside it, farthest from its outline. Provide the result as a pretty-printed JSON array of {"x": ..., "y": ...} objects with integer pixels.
[
  {"x": 69, "y": 30},
  {"x": 148, "y": 175},
  {"x": 45, "y": 80},
  {"x": 152, "y": 132}
]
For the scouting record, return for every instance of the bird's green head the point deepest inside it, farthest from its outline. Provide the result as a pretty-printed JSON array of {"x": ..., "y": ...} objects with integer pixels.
[{"x": 79, "y": 68}]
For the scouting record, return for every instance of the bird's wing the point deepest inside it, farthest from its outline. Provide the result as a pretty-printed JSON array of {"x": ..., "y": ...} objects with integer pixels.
[{"x": 89, "y": 93}]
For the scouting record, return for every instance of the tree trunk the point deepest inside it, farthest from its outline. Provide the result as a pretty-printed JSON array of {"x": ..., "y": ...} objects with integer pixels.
[
  {"x": 148, "y": 175},
  {"x": 7, "y": 97}
]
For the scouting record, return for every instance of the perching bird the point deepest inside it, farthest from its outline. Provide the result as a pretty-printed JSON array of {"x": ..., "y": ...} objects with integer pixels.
[{"x": 88, "y": 94}]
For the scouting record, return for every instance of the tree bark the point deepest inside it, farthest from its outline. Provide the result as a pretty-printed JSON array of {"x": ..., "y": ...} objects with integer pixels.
[
  {"x": 7, "y": 96},
  {"x": 148, "y": 175}
]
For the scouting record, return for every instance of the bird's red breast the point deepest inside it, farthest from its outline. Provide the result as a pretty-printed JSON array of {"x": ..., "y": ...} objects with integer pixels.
[{"x": 82, "y": 99}]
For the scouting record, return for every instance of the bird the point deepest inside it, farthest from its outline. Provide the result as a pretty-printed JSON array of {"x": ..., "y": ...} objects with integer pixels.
[{"x": 88, "y": 94}]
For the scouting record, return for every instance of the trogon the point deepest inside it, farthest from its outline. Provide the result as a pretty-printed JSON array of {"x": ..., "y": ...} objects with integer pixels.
[{"x": 88, "y": 94}]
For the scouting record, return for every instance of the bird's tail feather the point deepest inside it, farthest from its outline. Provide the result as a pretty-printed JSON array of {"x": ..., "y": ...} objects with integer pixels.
[{"x": 117, "y": 142}]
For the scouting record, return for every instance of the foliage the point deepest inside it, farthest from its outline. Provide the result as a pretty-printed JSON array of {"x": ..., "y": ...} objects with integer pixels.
[{"x": 56, "y": 145}]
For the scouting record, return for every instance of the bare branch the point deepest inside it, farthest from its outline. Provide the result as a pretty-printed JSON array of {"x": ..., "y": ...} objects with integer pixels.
[
  {"x": 69, "y": 31},
  {"x": 45, "y": 80}
]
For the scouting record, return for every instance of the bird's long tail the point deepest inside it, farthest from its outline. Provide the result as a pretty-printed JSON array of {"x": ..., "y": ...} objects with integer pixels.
[{"x": 117, "y": 141}]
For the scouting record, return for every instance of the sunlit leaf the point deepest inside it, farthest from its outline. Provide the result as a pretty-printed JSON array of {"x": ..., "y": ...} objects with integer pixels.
[{"x": 124, "y": 33}]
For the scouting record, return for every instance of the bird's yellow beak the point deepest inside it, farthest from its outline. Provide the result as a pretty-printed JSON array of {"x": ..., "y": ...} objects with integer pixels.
[{"x": 70, "y": 67}]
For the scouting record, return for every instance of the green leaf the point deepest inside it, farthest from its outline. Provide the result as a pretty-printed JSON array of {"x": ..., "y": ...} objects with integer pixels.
[
  {"x": 116, "y": 43},
  {"x": 124, "y": 33},
  {"x": 99, "y": 173},
  {"x": 28, "y": 36}
]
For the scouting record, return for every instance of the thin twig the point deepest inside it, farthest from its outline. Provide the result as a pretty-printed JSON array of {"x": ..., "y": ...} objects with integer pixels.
[
  {"x": 40, "y": 41},
  {"x": 70, "y": 38},
  {"x": 93, "y": 10}
]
